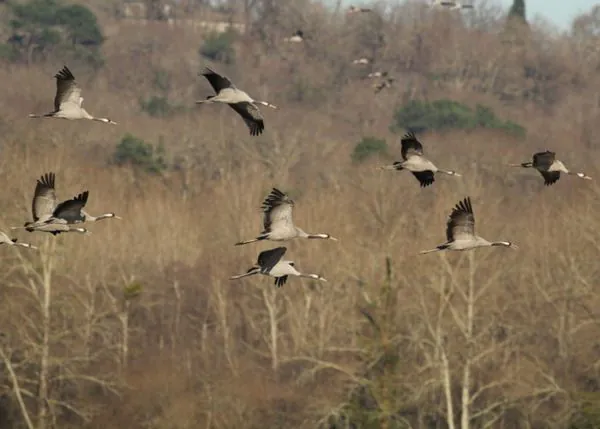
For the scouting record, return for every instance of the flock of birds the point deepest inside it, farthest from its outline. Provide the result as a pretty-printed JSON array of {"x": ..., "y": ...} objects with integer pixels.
[
  {"x": 383, "y": 81},
  {"x": 55, "y": 218}
]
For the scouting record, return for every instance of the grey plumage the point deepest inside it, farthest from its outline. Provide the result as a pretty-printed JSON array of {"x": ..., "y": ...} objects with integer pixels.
[
  {"x": 68, "y": 102},
  {"x": 415, "y": 162},
  {"x": 278, "y": 224},
  {"x": 549, "y": 167},
  {"x": 298, "y": 37},
  {"x": 5, "y": 239},
  {"x": 47, "y": 212},
  {"x": 460, "y": 231},
  {"x": 270, "y": 263},
  {"x": 238, "y": 100},
  {"x": 72, "y": 211}
]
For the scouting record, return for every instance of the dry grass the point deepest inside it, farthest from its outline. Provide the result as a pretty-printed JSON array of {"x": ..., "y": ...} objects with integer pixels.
[{"x": 201, "y": 347}]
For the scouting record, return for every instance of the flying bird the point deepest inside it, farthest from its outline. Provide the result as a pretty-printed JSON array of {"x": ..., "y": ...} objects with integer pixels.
[
  {"x": 68, "y": 100},
  {"x": 298, "y": 37},
  {"x": 385, "y": 83},
  {"x": 361, "y": 61},
  {"x": 353, "y": 9},
  {"x": 5, "y": 239},
  {"x": 47, "y": 213},
  {"x": 377, "y": 74},
  {"x": 549, "y": 167},
  {"x": 414, "y": 161},
  {"x": 270, "y": 264},
  {"x": 238, "y": 100},
  {"x": 72, "y": 211},
  {"x": 460, "y": 231},
  {"x": 278, "y": 223},
  {"x": 452, "y": 5}
]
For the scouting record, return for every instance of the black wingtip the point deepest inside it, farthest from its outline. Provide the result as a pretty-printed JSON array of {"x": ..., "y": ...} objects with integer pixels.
[
  {"x": 410, "y": 134},
  {"x": 47, "y": 179},
  {"x": 83, "y": 196}
]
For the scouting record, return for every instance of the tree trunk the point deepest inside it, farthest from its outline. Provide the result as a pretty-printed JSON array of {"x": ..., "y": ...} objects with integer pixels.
[{"x": 47, "y": 258}]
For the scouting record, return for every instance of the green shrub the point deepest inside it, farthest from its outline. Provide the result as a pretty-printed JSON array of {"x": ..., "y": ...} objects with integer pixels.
[
  {"x": 52, "y": 27},
  {"x": 156, "y": 106},
  {"x": 219, "y": 46},
  {"x": 135, "y": 151},
  {"x": 367, "y": 147},
  {"x": 444, "y": 114},
  {"x": 162, "y": 80}
]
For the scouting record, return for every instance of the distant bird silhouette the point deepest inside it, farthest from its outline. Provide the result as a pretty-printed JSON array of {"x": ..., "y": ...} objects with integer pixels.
[{"x": 296, "y": 38}]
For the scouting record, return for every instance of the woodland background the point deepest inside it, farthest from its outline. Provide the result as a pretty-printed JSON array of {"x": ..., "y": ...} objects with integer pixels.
[{"x": 138, "y": 326}]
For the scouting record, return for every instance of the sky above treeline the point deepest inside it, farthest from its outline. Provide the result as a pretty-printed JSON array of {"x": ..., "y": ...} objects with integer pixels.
[{"x": 560, "y": 13}]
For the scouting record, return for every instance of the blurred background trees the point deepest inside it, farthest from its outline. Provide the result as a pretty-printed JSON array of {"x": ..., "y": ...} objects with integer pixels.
[{"x": 138, "y": 326}]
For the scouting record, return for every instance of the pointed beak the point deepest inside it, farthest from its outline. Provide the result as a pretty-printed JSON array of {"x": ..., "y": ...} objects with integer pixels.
[
  {"x": 323, "y": 279},
  {"x": 457, "y": 174},
  {"x": 118, "y": 217},
  {"x": 333, "y": 238}
]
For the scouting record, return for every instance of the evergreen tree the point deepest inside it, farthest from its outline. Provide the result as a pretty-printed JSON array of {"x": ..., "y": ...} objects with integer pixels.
[{"x": 517, "y": 10}]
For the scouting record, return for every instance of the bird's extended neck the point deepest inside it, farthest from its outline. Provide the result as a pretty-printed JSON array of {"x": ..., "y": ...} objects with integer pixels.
[
  {"x": 90, "y": 218},
  {"x": 449, "y": 172},
  {"x": 313, "y": 276},
  {"x": 303, "y": 234},
  {"x": 266, "y": 103}
]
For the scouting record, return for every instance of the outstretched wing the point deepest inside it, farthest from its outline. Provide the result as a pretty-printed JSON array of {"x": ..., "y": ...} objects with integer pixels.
[
  {"x": 280, "y": 281},
  {"x": 461, "y": 224},
  {"x": 277, "y": 208},
  {"x": 44, "y": 197},
  {"x": 251, "y": 116},
  {"x": 67, "y": 90},
  {"x": 410, "y": 146},
  {"x": 543, "y": 160},
  {"x": 217, "y": 81},
  {"x": 425, "y": 178},
  {"x": 4, "y": 238},
  {"x": 550, "y": 177},
  {"x": 269, "y": 258},
  {"x": 70, "y": 210}
]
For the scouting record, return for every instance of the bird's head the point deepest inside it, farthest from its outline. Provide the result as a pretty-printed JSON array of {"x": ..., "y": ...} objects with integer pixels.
[
  {"x": 584, "y": 176},
  {"x": 114, "y": 216}
]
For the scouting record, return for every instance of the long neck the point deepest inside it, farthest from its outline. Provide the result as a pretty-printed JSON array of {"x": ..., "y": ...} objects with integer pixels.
[
  {"x": 266, "y": 103},
  {"x": 250, "y": 272},
  {"x": 448, "y": 172},
  {"x": 310, "y": 276},
  {"x": 500, "y": 243},
  {"x": 321, "y": 236},
  {"x": 303, "y": 234},
  {"x": 90, "y": 218}
]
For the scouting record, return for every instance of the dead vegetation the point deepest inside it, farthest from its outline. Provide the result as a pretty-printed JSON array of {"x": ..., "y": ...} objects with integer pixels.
[{"x": 137, "y": 324}]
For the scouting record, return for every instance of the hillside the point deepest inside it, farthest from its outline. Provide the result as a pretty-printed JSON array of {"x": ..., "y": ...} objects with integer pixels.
[{"x": 138, "y": 325}]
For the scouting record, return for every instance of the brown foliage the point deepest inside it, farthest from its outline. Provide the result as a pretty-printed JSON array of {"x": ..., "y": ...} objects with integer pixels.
[{"x": 206, "y": 352}]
